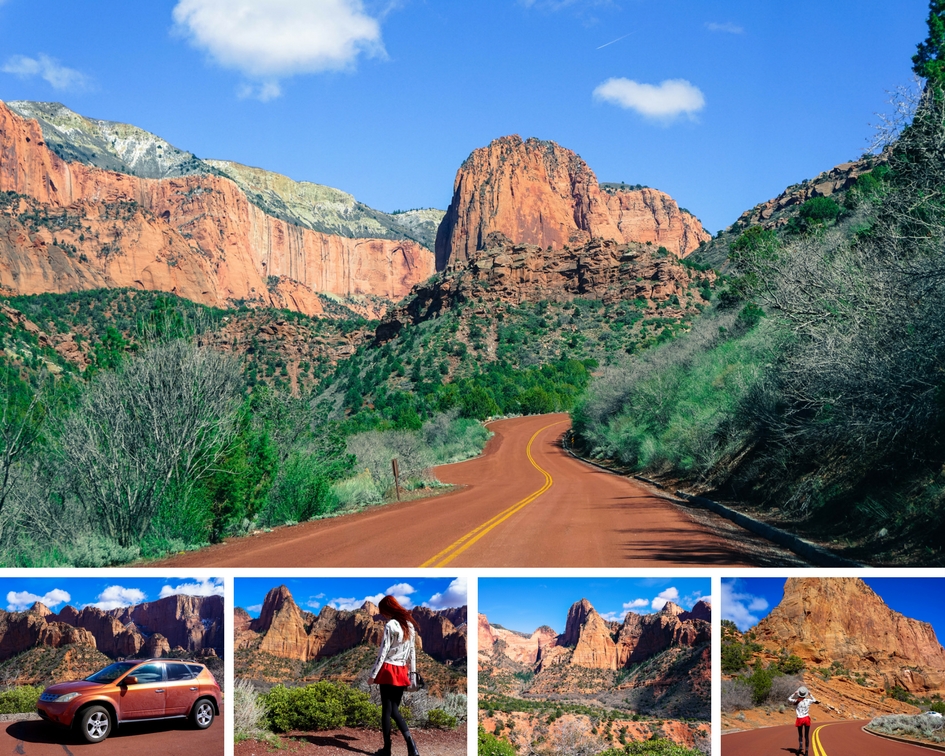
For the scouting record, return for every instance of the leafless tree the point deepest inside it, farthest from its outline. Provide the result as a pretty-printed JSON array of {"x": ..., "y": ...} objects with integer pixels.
[{"x": 160, "y": 424}]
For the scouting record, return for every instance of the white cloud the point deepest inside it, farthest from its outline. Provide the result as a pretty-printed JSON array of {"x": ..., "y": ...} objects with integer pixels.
[
  {"x": 665, "y": 101},
  {"x": 254, "y": 608},
  {"x": 203, "y": 587},
  {"x": 48, "y": 69},
  {"x": 728, "y": 27},
  {"x": 19, "y": 601},
  {"x": 270, "y": 39},
  {"x": 740, "y": 608},
  {"x": 313, "y": 602},
  {"x": 117, "y": 596},
  {"x": 454, "y": 595},
  {"x": 670, "y": 594},
  {"x": 400, "y": 591}
]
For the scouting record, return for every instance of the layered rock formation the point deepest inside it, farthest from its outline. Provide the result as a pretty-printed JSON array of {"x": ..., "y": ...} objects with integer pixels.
[
  {"x": 826, "y": 620},
  {"x": 283, "y": 630},
  {"x": 185, "y": 624},
  {"x": 536, "y": 192},
  {"x": 197, "y": 235},
  {"x": 515, "y": 273}
]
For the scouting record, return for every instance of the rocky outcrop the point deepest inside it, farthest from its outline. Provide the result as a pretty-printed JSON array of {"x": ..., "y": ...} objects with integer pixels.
[
  {"x": 517, "y": 273},
  {"x": 536, "y": 192},
  {"x": 80, "y": 227},
  {"x": 591, "y": 636},
  {"x": 826, "y": 620},
  {"x": 22, "y": 631},
  {"x": 192, "y": 624},
  {"x": 284, "y": 630}
]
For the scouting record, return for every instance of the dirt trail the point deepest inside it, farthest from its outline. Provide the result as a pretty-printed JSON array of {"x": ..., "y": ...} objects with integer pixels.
[
  {"x": 524, "y": 503},
  {"x": 351, "y": 742}
]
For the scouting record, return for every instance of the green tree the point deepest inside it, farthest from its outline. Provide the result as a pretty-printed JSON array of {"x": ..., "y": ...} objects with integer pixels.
[{"x": 929, "y": 61}]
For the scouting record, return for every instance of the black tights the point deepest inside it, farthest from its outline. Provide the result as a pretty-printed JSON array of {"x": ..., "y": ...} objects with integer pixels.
[
  {"x": 391, "y": 696},
  {"x": 805, "y": 729}
]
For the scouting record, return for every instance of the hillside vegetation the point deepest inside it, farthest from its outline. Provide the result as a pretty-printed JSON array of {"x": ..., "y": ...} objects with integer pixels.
[{"x": 813, "y": 387}]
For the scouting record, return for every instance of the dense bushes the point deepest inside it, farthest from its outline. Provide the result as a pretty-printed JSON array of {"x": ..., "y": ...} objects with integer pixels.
[
  {"x": 921, "y": 726},
  {"x": 321, "y": 706},
  {"x": 20, "y": 700}
]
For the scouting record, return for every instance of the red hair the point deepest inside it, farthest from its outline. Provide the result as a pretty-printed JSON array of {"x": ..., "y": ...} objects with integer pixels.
[{"x": 390, "y": 607}]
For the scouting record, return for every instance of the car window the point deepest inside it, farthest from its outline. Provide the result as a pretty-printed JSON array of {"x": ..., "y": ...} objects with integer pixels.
[
  {"x": 179, "y": 672},
  {"x": 111, "y": 673},
  {"x": 195, "y": 668},
  {"x": 149, "y": 673}
]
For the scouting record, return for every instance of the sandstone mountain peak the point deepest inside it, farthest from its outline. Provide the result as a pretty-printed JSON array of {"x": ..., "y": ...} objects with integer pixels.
[
  {"x": 672, "y": 608},
  {"x": 826, "y": 620},
  {"x": 537, "y": 192}
]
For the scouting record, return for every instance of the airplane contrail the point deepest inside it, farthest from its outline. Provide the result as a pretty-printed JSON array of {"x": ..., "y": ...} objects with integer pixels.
[{"x": 615, "y": 40}]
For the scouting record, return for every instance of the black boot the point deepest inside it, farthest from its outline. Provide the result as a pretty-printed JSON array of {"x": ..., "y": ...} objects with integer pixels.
[
  {"x": 411, "y": 746},
  {"x": 385, "y": 751}
]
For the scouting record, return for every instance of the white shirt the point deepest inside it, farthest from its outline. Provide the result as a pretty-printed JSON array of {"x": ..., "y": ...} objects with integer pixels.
[
  {"x": 395, "y": 649},
  {"x": 803, "y": 704}
]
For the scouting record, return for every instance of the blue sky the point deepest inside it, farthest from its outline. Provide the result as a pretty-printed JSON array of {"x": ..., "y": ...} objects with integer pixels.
[
  {"x": 312, "y": 594},
  {"x": 385, "y": 98},
  {"x": 525, "y": 604},
  {"x": 746, "y": 601},
  {"x": 106, "y": 593}
]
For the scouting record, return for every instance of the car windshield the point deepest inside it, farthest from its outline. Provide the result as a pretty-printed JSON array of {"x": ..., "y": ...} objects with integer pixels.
[{"x": 111, "y": 673}]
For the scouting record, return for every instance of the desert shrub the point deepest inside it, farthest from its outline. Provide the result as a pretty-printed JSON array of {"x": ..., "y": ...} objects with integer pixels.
[
  {"x": 490, "y": 745},
  {"x": 249, "y": 713},
  {"x": 760, "y": 680},
  {"x": 656, "y": 747},
  {"x": 820, "y": 210},
  {"x": 923, "y": 726},
  {"x": 300, "y": 493},
  {"x": 791, "y": 665},
  {"x": 441, "y": 720},
  {"x": 320, "y": 706},
  {"x": 782, "y": 686},
  {"x": 20, "y": 700},
  {"x": 736, "y": 695},
  {"x": 357, "y": 491}
]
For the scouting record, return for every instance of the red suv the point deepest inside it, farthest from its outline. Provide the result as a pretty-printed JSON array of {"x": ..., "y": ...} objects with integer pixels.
[{"x": 133, "y": 691}]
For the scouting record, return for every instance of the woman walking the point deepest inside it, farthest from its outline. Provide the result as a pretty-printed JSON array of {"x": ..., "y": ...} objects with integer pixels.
[
  {"x": 803, "y": 698},
  {"x": 395, "y": 669}
]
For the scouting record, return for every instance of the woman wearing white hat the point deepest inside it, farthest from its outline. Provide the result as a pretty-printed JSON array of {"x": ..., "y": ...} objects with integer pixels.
[{"x": 803, "y": 698}]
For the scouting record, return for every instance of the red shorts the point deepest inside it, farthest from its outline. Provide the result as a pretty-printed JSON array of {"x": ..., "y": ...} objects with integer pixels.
[
  {"x": 391, "y": 674},
  {"x": 802, "y": 721}
]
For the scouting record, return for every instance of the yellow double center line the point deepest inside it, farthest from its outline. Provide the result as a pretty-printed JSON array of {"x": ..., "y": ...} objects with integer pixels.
[
  {"x": 460, "y": 545},
  {"x": 815, "y": 741}
]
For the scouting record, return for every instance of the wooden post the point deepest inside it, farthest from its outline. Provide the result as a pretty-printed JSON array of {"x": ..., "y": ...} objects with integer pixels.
[{"x": 393, "y": 463}]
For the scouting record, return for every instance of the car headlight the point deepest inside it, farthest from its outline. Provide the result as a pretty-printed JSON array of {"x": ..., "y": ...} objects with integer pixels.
[{"x": 65, "y": 698}]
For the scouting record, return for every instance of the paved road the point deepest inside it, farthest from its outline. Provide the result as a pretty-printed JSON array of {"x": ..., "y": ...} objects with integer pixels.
[
  {"x": 524, "y": 503},
  {"x": 170, "y": 738},
  {"x": 830, "y": 739}
]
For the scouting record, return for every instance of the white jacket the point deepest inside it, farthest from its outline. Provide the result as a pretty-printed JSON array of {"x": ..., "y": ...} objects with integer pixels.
[
  {"x": 396, "y": 650},
  {"x": 803, "y": 704}
]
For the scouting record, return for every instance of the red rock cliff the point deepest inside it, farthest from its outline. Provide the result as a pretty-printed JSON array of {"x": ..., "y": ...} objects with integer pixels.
[
  {"x": 536, "y": 192},
  {"x": 197, "y": 236},
  {"x": 823, "y": 620}
]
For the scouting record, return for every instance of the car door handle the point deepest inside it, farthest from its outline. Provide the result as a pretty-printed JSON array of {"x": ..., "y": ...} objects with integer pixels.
[
  {"x": 193, "y": 689},
  {"x": 160, "y": 690}
]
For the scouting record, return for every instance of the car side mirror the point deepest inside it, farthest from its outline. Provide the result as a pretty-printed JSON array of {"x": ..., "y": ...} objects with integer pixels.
[{"x": 130, "y": 680}]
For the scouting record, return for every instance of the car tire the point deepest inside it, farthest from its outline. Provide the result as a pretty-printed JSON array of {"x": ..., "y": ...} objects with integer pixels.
[
  {"x": 201, "y": 716},
  {"x": 95, "y": 724}
]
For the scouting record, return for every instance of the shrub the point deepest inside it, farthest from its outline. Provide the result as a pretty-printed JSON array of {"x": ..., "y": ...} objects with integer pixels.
[
  {"x": 490, "y": 745},
  {"x": 20, "y": 700},
  {"x": 441, "y": 720},
  {"x": 736, "y": 695},
  {"x": 249, "y": 713},
  {"x": 320, "y": 706}
]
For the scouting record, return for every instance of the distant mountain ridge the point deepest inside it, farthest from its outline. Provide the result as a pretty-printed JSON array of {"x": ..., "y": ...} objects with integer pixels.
[
  {"x": 121, "y": 147},
  {"x": 84, "y": 639}
]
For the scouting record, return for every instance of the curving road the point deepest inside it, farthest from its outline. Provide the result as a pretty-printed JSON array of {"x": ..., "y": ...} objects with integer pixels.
[
  {"x": 830, "y": 739},
  {"x": 34, "y": 737},
  {"x": 524, "y": 503}
]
